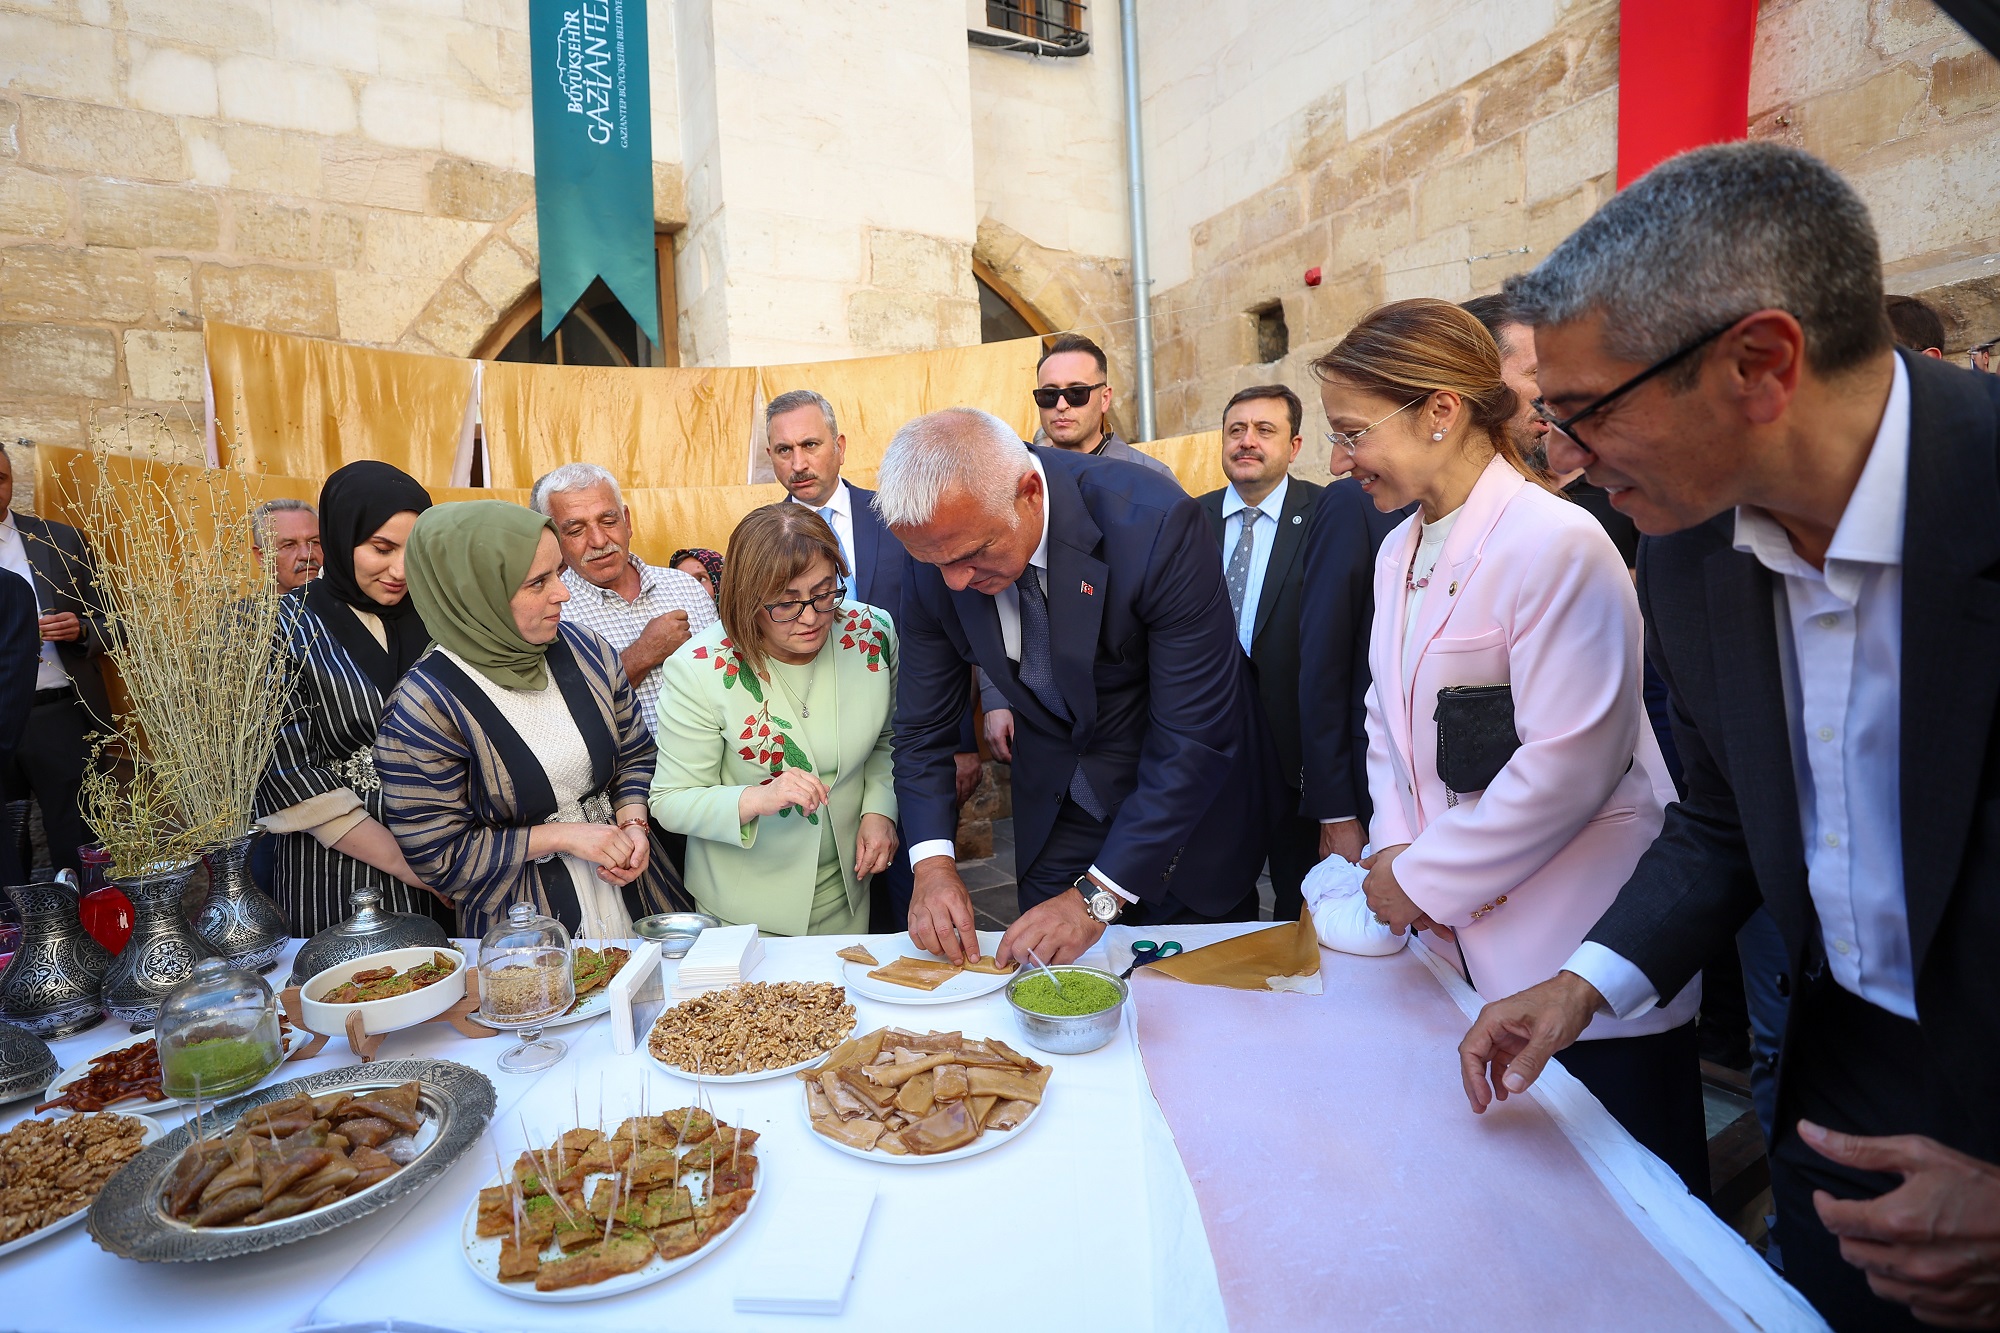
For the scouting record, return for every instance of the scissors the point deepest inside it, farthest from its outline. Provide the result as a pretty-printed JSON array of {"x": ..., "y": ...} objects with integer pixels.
[{"x": 1145, "y": 951}]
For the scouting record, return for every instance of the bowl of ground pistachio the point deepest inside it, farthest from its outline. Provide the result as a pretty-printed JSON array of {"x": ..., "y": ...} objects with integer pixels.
[{"x": 1067, "y": 1010}]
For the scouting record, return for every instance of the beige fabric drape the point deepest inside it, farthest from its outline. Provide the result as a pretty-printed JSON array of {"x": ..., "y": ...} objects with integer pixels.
[
  {"x": 302, "y": 407},
  {"x": 66, "y": 478},
  {"x": 1195, "y": 459},
  {"x": 649, "y": 427},
  {"x": 873, "y": 396}
]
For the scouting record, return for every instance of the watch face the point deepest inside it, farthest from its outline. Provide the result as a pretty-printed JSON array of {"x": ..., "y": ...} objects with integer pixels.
[{"x": 1104, "y": 905}]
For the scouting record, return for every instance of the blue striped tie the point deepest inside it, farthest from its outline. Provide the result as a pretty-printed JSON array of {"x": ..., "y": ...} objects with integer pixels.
[{"x": 1039, "y": 675}]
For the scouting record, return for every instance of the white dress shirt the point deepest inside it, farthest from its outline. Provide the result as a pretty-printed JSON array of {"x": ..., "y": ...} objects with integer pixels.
[
  {"x": 1007, "y": 602},
  {"x": 838, "y": 511},
  {"x": 49, "y": 672},
  {"x": 1840, "y": 653},
  {"x": 1262, "y": 538}
]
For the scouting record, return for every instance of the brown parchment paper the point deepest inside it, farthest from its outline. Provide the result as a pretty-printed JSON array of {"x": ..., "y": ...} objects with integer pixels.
[
  {"x": 1263, "y": 960},
  {"x": 1344, "y": 1183}
]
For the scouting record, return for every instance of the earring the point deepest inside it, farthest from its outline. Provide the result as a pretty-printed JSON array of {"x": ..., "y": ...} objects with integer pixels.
[{"x": 1437, "y": 435}]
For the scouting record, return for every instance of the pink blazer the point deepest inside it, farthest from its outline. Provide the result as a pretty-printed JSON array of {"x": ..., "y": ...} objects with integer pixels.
[{"x": 1530, "y": 592}]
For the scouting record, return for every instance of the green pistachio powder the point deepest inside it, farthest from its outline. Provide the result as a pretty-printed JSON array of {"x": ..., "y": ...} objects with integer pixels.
[{"x": 1080, "y": 994}]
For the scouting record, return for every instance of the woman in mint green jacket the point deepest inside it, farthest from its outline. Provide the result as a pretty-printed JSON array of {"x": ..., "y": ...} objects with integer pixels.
[{"x": 774, "y": 734}]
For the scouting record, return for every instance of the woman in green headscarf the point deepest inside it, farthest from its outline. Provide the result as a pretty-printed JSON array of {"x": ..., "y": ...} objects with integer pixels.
[{"x": 513, "y": 761}]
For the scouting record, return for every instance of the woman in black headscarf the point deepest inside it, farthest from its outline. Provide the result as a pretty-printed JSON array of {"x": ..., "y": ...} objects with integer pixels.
[{"x": 352, "y": 633}]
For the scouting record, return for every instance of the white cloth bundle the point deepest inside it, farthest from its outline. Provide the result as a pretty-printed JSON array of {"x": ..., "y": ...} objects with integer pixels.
[{"x": 1340, "y": 910}]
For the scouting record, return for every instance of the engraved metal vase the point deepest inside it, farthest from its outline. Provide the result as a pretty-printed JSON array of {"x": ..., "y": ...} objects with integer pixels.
[
  {"x": 51, "y": 986},
  {"x": 238, "y": 920},
  {"x": 163, "y": 949},
  {"x": 370, "y": 930}
]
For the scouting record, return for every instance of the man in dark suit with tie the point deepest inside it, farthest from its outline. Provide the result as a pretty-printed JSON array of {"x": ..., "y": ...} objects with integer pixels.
[
  {"x": 807, "y": 450},
  {"x": 1826, "y": 617},
  {"x": 70, "y": 702},
  {"x": 1089, "y": 592},
  {"x": 20, "y": 654},
  {"x": 1260, "y": 520}
]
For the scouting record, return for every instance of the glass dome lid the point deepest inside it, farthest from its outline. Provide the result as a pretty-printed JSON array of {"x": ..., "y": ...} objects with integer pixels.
[{"x": 217, "y": 1032}]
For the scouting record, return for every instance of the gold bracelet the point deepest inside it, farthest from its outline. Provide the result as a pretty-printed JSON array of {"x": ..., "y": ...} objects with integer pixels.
[{"x": 634, "y": 823}]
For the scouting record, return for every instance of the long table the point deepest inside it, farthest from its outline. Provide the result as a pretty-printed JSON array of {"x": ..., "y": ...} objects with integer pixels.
[{"x": 1088, "y": 1218}]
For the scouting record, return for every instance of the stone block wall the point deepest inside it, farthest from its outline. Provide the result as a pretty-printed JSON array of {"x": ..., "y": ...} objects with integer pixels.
[
  {"x": 348, "y": 170},
  {"x": 1451, "y": 196}
]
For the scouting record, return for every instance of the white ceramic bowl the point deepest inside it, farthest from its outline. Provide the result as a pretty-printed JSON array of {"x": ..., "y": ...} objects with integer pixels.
[{"x": 398, "y": 1011}]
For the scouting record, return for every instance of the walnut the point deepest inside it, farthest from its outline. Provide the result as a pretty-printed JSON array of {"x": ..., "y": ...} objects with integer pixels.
[{"x": 754, "y": 1027}]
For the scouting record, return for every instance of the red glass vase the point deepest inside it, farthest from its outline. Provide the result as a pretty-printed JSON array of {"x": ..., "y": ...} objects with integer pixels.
[{"x": 107, "y": 915}]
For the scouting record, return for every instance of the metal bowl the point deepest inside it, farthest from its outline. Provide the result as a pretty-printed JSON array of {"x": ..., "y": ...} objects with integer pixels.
[
  {"x": 675, "y": 931},
  {"x": 1065, "y": 1035},
  {"x": 26, "y": 1063},
  {"x": 128, "y": 1219}
]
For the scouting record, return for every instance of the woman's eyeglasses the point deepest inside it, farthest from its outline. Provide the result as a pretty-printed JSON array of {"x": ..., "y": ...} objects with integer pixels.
[
  {"x": 1568, "y": 424},
  {"x": 1341, "y": 439},
  {"x": 1076, "y": 395},
  {"x": 784, "y": 613}
]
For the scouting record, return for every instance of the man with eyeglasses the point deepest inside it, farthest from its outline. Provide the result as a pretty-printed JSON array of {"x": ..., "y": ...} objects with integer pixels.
[
  {"x": 807, "y": 451},
  {"x": 1824, "y": 520}
]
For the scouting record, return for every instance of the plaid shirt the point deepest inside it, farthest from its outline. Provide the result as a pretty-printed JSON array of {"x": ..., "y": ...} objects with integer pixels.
[{"x": 620, "y": 622}]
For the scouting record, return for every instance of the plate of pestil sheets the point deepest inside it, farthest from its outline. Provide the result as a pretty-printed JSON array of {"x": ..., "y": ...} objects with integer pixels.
[
  {"x": 906, "y": 974},
  {"x": 628, "y": 1208}
]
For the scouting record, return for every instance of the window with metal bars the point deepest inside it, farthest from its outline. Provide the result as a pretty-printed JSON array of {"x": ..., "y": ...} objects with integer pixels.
[{"x": 1043, "y": 27}]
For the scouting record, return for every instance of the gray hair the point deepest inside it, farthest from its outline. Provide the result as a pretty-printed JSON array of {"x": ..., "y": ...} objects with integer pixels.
[
  {"x": 1706, "y": 238},
  {"x": 959, "y": 448},
  {"x": 572, "y": 477},
  {"x": 260, "y": 517},
  {"x": 796, "y": 399}
]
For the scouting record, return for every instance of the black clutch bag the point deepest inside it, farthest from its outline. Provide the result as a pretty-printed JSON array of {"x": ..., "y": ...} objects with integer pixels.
[{"x": 1476, "y": 734}]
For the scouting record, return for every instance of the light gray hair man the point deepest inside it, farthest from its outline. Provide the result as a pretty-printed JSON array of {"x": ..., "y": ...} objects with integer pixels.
[
  {"x": 286, "y": 532},
  {"x": 644, "y": 611},
  {"x": 1819, "y": 599}
]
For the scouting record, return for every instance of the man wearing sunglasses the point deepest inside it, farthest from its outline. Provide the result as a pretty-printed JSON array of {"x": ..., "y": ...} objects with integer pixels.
[{"x": 1818, "y": 588}]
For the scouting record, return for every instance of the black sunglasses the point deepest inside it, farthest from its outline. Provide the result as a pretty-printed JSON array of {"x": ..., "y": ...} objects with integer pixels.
[
  {"x": 1076, "y": 395},
  {"x": 1567, "y": 425}
]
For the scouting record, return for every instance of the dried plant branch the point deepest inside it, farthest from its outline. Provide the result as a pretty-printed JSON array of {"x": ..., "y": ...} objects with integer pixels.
[{"x": 193, "y": 615}]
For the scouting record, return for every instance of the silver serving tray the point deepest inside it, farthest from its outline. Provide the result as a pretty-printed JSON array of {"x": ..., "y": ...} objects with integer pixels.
[{"x": 128, "y": 1220}]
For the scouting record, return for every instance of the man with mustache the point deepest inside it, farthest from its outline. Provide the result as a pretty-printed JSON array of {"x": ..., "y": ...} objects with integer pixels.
[
  {"x": 1261, "y": 519},
  {"x": 642, "y": 610},
  {"x": 807, "y": 449},
  {"x": 287, "y": 532}
]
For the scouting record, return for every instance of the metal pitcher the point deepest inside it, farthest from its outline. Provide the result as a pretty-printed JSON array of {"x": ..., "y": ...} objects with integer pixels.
[
  {"x": 51, "y": 987},
  {"x": 238, "y": 920},
  {"x": 163, "y": 949}
]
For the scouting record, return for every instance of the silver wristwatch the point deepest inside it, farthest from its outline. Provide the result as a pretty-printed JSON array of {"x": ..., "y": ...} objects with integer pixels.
[{"x": 1103, "y": 905}]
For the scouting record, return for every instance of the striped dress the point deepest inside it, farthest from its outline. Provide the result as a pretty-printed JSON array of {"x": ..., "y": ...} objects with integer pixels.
[
  {"x": 461, "y": 790},
  {"x": 335, "y": 713}
]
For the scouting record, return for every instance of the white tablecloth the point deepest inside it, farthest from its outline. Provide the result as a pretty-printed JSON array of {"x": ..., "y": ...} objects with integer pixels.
[{"x": 1087, "y": 1217}]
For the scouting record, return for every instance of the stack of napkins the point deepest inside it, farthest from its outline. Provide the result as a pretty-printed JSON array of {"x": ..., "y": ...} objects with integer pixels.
[
  {"x": 805, "y": 1260},
  {"x": 724, "y": 956}
]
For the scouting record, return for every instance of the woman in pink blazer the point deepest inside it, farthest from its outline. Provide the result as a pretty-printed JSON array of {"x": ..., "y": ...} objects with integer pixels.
[{"x": 1498, "y": 581}]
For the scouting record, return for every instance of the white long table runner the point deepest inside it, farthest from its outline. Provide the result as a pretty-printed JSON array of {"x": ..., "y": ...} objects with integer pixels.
[{"x": 1087, "y": 1217}]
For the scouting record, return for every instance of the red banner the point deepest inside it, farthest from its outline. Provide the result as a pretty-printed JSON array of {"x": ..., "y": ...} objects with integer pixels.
[{"x": 1683, "y": 78}]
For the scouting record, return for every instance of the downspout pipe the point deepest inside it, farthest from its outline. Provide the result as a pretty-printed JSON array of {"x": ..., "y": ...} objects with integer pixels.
[{"x": 1135, "y": 182}]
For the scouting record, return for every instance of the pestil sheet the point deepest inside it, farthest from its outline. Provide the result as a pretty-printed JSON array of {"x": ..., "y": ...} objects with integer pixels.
[{"x": 1344, "y": 1184}]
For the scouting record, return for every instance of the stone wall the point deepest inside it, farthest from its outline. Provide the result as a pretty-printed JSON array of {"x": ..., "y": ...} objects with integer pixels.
[
  {"x": 325, "y": 167},
  {"x": 1449, "y": 197}
]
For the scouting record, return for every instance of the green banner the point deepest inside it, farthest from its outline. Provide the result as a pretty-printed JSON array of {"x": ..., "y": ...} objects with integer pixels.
[{"x": 594, "y": 155}]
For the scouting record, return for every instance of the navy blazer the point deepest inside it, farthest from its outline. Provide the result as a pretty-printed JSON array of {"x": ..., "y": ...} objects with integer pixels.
[
  {"x": 1274, "y": 631},
  {"x": 20, "y": 657},
  {"x": 66, "y": 580},
  {"x": 879, "y": 559},
  {"x": 1734, "y": 842},
  {"x": 1334, "y": 620},
  {"x": 1166, "y": 722}
]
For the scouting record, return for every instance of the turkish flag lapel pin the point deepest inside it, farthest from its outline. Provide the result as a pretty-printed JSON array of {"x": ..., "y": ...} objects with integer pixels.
[{"x": 1089, "y": 591}]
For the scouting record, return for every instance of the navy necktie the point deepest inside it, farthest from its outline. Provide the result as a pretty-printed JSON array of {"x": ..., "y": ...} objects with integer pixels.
[{"x": 1039, "y": 675}]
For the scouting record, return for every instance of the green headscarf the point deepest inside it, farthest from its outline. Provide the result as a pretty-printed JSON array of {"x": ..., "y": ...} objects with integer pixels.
[{"x": 465, "y": 562}]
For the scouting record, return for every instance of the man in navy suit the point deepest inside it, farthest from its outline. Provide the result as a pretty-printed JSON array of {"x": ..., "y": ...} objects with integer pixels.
[
  {"x": 807, "y": 450},
  {"x": 20, "y": 655},
  {"x": 1089, "y": 592}
]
